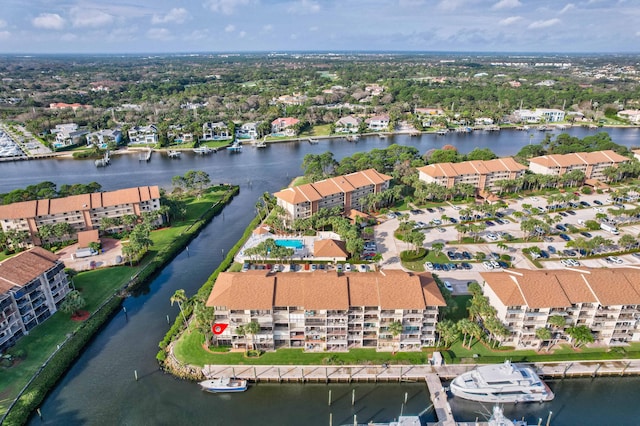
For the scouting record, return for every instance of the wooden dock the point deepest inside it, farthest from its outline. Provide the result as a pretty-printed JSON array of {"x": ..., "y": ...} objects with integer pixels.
[{"x": 439, "y": 400}]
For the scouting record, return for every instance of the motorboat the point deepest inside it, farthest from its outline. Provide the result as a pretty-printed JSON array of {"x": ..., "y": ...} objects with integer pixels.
[
  {"x": 499, "y": 419},
  {"x": 501, "y": 383},
  {"x": 203, "y": 150},
  {"x": 224, "y": 384}
]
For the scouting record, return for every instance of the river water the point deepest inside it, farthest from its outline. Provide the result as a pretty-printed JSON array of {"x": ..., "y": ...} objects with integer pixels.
[{"x": 100, "y": 387}]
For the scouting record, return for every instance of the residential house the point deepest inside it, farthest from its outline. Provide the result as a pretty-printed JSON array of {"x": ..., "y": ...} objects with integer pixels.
[
  {"x": 177, "y": 134},
  {"x": 590, "y": 163},
  {"x": 378, "y": 122},
  {"x": 82, "y": 212},
  {"x": 67, "y": 135},
  {"x": 348, "y": 124},
  {"x": 62, "y": 105},
  {"x": 103, "y": 137},
  {"x": 374, "y": 89},
  {"x": 327, "y": 311},
  {"x": 633, "y": 115},
  {"x": 605, "y": 300},
  {"x": 538, "y": 115},
  {"x": 430, "y": 112},
  {"x": 248, "y": 130},
  {"x": 636, "y": 154},
  {"x": 215, "y": 131},
  {"x": 147, "y": 135},
  {"x": 483, "y": 175},
  {"x": 32, "y": 286},
  {"x": 346, "y": 191},
  {"x": 295, "y": 99},
  {"x": 284, "y": 126}
]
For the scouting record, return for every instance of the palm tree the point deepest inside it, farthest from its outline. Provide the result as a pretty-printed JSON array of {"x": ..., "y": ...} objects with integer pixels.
[
  {"x": 543, "y": 334},
  {"x": 395, "y": 328},
  {"x": 580, "y": 335},
  {"x": 464, "y": 327},
  {"x": 437, "y": 248},
  {"x": 252, "y": 329},
  {"x": 179, "y": 297}
]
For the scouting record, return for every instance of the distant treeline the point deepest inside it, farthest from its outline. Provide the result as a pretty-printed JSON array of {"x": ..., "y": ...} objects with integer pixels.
[{"x": 47, "y": 189}]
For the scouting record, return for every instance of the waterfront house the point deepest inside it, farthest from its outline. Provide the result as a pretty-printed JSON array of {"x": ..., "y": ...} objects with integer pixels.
[
  {"x": 633, "y": 115},
  {"x": 327, "y": 311},
  {"x": 378, "y": 122},
  {"x": 215, "y": 131},
  {"x": 177, "y": 134},
  {"x": 348, "y": 124},
  {"x": 539, "y": 114},
  {"x": 103, "y": 137},
  {"x": 605, "y": 300},
  {"x": 67, "y": 135},
  {"x": 591, "y": 164},
  {"x": 82, "y": 212},
  {"x": 32, "y": 286},
  {"x": 284, "y": 126},
  {"x": 248, "y": 130},
  {"x": 147, "y": 135},
  {"x": 482, "y": 174},
  {"x": 346, "y": 191}
]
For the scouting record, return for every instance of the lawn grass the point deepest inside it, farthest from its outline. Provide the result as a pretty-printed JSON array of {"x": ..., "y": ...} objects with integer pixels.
[
  {"x": 96, "y": 287},
  {"x": 318, "y": 130},
  {"x": 418, "y": 264},
  {"x": 189, "y": 350}
]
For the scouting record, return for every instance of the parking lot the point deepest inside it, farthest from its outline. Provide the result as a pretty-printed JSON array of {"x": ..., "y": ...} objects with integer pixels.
[{"x": 440, "y": 229}]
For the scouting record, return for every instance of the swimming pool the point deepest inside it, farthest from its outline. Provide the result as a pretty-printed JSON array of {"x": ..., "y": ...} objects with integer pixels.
[{"x": 295, "y": 244}]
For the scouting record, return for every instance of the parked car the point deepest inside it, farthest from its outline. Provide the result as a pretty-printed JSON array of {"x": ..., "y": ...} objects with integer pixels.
[
  {"x": 442, "y": 230},
  {"x": 571, "y": 212},
  {"x": 563, "y": 214},
  {"x": 491, "y": 237},
  {"x": 453, "y": 220},
  {"x": 614, "y": 259},
  {"x": 339, "y": 267},
  {"x": 586, "y": 234},
  {"x": 448, "y": 285},
  {"x": 565, "y": 237},
  {"x": 347, "y": 267},
  {"x": 489, "y": 223},
  {"x": 544, "y": 254},
  {"x": 585, "y": 204},
  {"x": 466, "y": 265},
  {"x": 429, "y": 266},
  {"x": 430, "y": 210},
  {"x": 597, "y": 202},
  {"x": 363, "y": 268},
  {"x": 466, "y": 255},
  {"x": 551, "y": 249},
  {"x": 503, "y": 264},
  {"x": 561, "y": 228},
  {"x": 487, "y": 265}
]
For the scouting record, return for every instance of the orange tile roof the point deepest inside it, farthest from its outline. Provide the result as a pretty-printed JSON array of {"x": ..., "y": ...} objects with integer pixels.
[
  {"x": 612, "y": 287},
  {"x": 363, "y": 290},
  {"x": 578, "y": 158},
  {"x": 86, "y": 237},
  {"x": 325, "y": 290},
  {"x": 247, "y": 290},
  {"x": 81, "y": 202},
  {"x": 399, "y": 290},
  {"x": 505, "y": 287},
  {"x": 473, "y": 167},
  {"x": 329, "y": 248},
  {"x": 432, "y": 294},
  {"x": 25, "y": 267}
]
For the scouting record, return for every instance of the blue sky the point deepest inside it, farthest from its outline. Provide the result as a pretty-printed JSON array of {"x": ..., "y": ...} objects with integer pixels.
[{"x": 149, "y": 26}]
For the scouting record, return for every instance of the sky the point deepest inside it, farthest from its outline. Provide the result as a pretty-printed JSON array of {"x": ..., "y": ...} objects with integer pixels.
[{"x": 173, "y": 26}]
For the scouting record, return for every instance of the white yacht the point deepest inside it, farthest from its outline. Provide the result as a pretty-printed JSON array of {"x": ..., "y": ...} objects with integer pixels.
[{"x": 501, "y": 383}]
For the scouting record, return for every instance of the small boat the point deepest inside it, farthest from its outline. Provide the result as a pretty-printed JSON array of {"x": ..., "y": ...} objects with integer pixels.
[
  {"x": 203, "y": 150},
  {"x": 352, "y": 138},
  {"x": 313, "y": 141},
  {"x": 235, "y": 147},
  {"x": 402, "y": 421},
  {"x": 382, "y": 135},
  {"x": 499, "y": 419},
  {"x": 262, "y": 144},
  {"x": 174, "y": 154},
  {"x": 442, "y": 132},
  {"x": 224, "y": 384},
  {"x": 501, "y": 383}
]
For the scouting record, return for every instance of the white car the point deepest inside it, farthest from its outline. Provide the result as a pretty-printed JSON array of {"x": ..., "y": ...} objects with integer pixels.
[
  {"x": 456, "y": 208},
  {"x": 363, "y": 268},
  {"x": 598, "y": 209},
  {"x": 437, "y": 222},
  {"x": 429, "y": 266},
  {"x": 570, "y": 262},
  {"x": 448, "y": 286},
  {"x": 491, "y": 237},
  {"x": 615, "y": 259},
  {"x": 347, "y": 267},
  {"x": 487, "y": 265},
  {"x": 495, "y": 264}
]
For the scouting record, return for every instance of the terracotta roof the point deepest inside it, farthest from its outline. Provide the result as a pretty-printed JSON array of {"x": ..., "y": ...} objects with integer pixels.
[
  {"x": 24, "y": 267},
  {"x": 260, "y": 230},
  {"x": 393, "y": 289},
  {"x": 285, "y": 121},
  {"x": 578, "y": 158},
  {"x": 561, "y": 288},
  {"x": 87, "y": 237},
  {"x": 340, "y": 184},
  {"x": 329, "y": 248},
  {"x": 473, "y": 167},
  {"x": 246, "y": 290},
  {"x": 430, "y": 290},
  {"x": 81, "y": 202}
]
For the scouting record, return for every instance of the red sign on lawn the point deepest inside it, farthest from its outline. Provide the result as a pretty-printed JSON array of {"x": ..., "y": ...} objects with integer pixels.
[{"x": 219, "y": 328}]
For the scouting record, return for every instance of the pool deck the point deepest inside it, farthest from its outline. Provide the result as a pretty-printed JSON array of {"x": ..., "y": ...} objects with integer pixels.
[{"x": 304, "y": 253}]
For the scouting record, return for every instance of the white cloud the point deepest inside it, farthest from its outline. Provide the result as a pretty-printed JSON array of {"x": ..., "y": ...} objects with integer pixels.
[
  {"x": 268, "y": 28},
  {"x": 3, "y": 23},
  {"x": 638, "y": 34},
  {"x": 242, "y": 34},
  {"x": 450, "y": 5},
  {"x": 314, "y": 28},
  {"x": 226, "y": 7},
  {"x": 48, "y": 21},
  {"x": 89, "y": 18},
  {"x": 293, "y": 36},
  {"x": 303, "y": 7},
  {"x": 510, "y": 20},
  {"x": 229, "y": 28},
  {"x": 544, "y": 24},
  {"x": 506, "y": 4},
  {"x": 177, "y": 15},
  {"x": 159, "y": 34},
  {"x": 4, "y": 35},
  {"x": 567, "y": 8}
]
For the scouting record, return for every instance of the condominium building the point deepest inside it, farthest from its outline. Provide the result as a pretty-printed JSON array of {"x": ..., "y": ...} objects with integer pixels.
[
  {"x": 590, "y": 163},
  {"x": 479, "y": 173},
  {"x": 605, "y": 300},
  {"x": 32, "y": 285},
  {"x": 346, "y": 192},
  {"x": 327, "y": 311},
  {"x": 82, "y": 212}
]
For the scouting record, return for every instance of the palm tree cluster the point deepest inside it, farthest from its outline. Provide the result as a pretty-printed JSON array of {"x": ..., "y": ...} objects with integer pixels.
[
  {"x": 481, "y": 311},
  {"x": 268, "y": 249}
]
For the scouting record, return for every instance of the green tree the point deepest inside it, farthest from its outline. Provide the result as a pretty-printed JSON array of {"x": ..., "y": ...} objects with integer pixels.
[
  {"x": 395, "y": 328},
  {"x": 72, "y": 303},
  {"x": 252, "y": 329},
  {"x": 179, "y": 297},
  {"x": 580, "y": 335}
]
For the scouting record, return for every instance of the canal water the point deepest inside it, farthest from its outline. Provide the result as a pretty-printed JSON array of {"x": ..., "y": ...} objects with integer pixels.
[{"x": 100, "y": 387}]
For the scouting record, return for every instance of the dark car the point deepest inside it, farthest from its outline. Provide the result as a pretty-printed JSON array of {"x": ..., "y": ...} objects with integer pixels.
[
  {"x": 466, "y": 255},
  {"x": 503, "y": 264},
  {"x": 585, "y": 204},
  {"x": 489, "y": 223},
  {"x": 544, "y": 254},
  {"x": 563, "y": 214},
  {"x": 586, "y": 234},
  {"x": 440, "y": 209},
  {"x": 498, "y": 214},
  {"x": 452, "y": 220},
  {"x": 565, "y": 237},
  {"x": 561, "y": 228},
  {"x": 458, "y": 256},
  {"x": 551, "y": 249},
  {"x": 430, "y": 210},
  {"x": 465, "y": 265},
  {"x": 571, "y": 212},
  {"x": 445, "y": 267},
  {"x": 597, "y": 202},
  {"x": 451, "y": 255}
]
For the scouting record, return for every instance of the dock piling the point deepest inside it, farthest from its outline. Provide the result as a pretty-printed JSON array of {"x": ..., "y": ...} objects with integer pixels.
[
  {"x": 135, "y": 374},
  {"x": 330, "y": 419},
  {"x": 353, "y": 397},
  {"x": 549, "y": 418},
  {"x": 329, "y": 398}
]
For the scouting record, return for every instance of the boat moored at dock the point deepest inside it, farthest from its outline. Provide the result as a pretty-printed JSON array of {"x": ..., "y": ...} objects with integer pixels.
[
  {"x": 501, "y": 383},
  {"x": 224, "y": 384}
]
